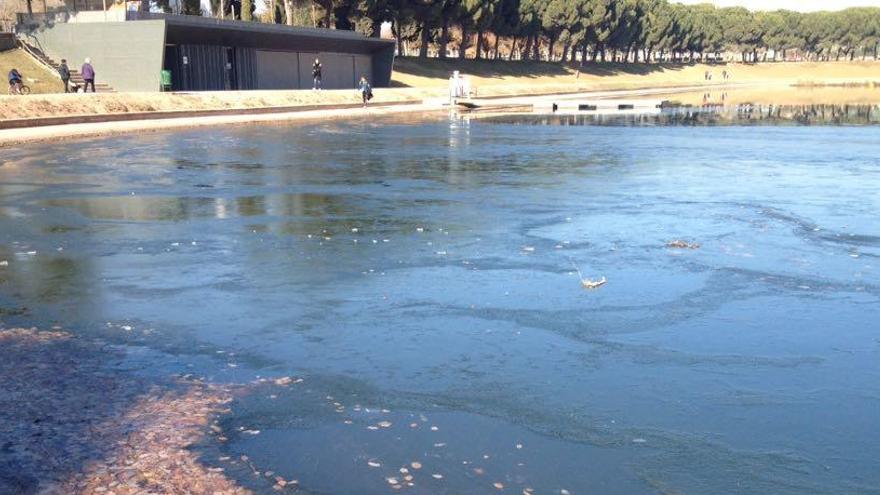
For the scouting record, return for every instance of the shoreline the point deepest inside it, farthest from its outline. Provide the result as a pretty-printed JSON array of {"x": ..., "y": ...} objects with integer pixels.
[
  {"x": 116, "y": 430},
  {"x": 14, "y": 132},
  {"x": 98, "y": 125}
]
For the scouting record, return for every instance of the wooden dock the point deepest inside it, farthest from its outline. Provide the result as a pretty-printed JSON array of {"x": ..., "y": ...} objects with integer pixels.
[{"x": 598, "y": 106}]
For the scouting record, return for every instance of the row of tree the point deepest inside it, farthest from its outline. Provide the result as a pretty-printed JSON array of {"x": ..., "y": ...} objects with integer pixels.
[{"x": 581, "y": 30}]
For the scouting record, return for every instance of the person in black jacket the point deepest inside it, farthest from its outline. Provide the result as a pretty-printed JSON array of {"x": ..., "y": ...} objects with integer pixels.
[
  {"x": 316, "y": 74},
  {"x": 64, "y": 72}
]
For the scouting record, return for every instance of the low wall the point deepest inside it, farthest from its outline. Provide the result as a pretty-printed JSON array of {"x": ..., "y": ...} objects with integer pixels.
[{"x": 7, "y": 41}]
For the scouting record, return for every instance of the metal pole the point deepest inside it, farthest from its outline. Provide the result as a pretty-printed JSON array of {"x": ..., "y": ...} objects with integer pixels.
[{"x": 105, "y": 10}]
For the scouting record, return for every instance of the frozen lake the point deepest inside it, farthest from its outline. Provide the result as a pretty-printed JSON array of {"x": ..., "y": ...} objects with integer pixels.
[{"x": 421, "y": 272}]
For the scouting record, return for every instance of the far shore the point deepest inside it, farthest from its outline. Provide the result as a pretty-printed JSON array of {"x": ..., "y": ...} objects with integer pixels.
[
  {"x": 418, "y": 86},
  {"x": 141, "y": 122}
]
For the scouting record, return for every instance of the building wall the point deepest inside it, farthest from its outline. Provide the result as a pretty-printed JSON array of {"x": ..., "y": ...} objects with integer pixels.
[
  {"x": 382, "y": 65},
  {"x": 306, "y": 59},
  {"x": 277, "y": 70},
  {"x": 125, "y": 55},
  {"x": 202, "y": 68},
  {"x": 337, "y": 71},
  {"x": 363, "y": 66},
  {"x": 7, "y": 41},
  {"x": 293, "y": 70},
  {"x": 129, "y": 55}
]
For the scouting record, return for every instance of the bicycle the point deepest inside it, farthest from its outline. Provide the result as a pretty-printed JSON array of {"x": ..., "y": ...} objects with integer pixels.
[{"x": 19, "y": 89}]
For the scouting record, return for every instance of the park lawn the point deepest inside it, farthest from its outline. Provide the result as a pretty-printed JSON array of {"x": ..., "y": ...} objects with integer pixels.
[
  {"x": 39, "y": 78},
  {"x": 528, "y": 76}
]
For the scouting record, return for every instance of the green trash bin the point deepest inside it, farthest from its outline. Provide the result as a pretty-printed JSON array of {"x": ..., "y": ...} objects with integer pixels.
[{"x": 166, "y": 80}]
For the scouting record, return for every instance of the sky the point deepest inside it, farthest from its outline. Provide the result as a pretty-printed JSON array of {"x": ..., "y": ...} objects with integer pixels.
[{"x": 800, "y": 5}]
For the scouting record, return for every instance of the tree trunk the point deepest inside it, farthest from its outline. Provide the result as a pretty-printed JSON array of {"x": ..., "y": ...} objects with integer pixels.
[
  {"x": 583, "y": 54},
  {"x": 497, "y": 40},
  {"x": 376, "y": 29},
  {"x": 425, "y": 36},
  {"x": 465, "y": 40},
  {"x": 395, "y": 30},
  {"x": 328, "y": 17},
  {"x": 512, "y": 49},
  {"x": 528, "y": 49},
  {"x": 479, "y": 53},
  {"x": 565, "y": 48},
  {"x": 444, "y": 37}
]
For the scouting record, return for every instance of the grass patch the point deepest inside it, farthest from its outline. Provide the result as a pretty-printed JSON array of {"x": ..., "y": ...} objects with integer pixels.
[{"x": 35, "y": 75}]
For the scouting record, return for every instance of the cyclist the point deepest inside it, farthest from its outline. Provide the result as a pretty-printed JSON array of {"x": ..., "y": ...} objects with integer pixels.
[{"x": 15, "y": 81}]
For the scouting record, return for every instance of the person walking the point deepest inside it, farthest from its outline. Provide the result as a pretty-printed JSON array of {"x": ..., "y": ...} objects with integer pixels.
[
  {"x": 88, "y": 75},
  {"x": 64, "y": 72},
  {"x": 316, "y": 74},
  {"x": 365, "y": 89}
]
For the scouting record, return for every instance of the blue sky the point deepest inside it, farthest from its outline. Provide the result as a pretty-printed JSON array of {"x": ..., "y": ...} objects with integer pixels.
[{"x": 801, "y": 5}]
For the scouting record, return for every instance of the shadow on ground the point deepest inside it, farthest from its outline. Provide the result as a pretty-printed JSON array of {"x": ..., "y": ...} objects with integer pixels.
[{"x": 440, "y": 69}]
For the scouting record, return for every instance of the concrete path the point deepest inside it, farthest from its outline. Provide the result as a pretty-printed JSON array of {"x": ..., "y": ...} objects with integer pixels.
[{"x": 10, "y": 137}]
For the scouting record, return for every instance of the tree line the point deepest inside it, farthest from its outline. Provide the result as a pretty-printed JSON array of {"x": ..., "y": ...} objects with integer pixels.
[{"x": 579, "y": 30}]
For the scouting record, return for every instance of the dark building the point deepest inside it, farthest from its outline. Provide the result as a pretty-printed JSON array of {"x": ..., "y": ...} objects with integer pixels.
[{"x": 203, "y": 54}]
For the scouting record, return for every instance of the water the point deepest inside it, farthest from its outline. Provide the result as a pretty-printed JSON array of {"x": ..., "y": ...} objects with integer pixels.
[{"x": 422, "y": 272}]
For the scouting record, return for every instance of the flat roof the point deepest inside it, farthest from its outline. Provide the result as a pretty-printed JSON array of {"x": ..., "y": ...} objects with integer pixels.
[{"x": 182, "y": 29}]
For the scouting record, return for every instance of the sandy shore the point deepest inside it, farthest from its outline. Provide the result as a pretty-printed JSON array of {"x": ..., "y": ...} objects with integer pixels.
[{"x": 72, "y": 424}]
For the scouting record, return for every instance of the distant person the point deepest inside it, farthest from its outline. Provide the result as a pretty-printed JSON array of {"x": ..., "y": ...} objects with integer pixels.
[
  {"x": 64, "y": 72},
  {"x": 316, "y": 74},
  {"x": 365, "y": 89},
  {"x": 15, "y": 81},
  {"x": 88, "y": 75}
]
